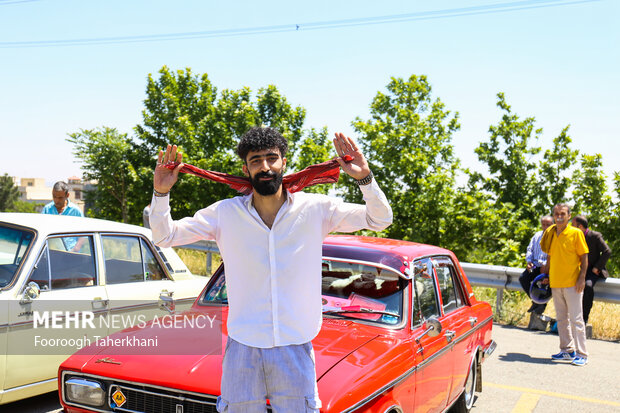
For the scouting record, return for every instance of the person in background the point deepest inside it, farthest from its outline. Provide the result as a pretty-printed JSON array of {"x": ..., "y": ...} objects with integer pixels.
[
  {"x": 145, "y": 216},
  {"x": 61, "y": 205},
  {"x": 567, "y": 262},
  {"x": 535, "y": 259},
  {"x": 597, "y": 261}
]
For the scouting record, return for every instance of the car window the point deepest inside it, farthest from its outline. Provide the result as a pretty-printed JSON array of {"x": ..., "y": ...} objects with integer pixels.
[
  {"x": 129, "y": 259},
  {"x": 13, "y": 245},
  {"x": 217, "y": 291},
  {"x": 425, "y": 303},
  {"x": 354, "y": 287},
  {"x": 450, "y": 292},
  {"x": 65, "y": 262},
  {"x": 350, "y": 286},
  {"x": 153, "y": 269}
]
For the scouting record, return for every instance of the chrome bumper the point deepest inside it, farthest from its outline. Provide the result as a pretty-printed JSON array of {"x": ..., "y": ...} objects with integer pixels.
[{"x": 489, "y": 350}]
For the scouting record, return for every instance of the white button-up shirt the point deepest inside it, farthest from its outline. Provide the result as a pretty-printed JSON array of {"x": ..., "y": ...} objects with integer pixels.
[{"x": 273, "y": 276}]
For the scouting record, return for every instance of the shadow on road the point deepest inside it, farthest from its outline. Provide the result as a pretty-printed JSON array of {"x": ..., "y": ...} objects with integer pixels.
[{"x": 524, "y": 358}]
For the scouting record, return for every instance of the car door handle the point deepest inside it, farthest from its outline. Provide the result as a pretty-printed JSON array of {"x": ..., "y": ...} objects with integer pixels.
[
  {"x": 99, "y": 302},
  {"x": 473, "y": 321},
  {"x": 450, "y": 335}
]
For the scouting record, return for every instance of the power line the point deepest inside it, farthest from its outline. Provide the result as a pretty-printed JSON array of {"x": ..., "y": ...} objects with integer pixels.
[
  {"x": 8, "y": 2},
  {"x": 322, "y": 25}
]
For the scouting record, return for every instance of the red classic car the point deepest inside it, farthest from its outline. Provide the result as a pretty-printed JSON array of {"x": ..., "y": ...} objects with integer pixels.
[{"x": 402, "y": 332}]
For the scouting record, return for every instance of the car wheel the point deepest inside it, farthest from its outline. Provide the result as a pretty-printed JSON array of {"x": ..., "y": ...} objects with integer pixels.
[{"x": 466, "y": 399}]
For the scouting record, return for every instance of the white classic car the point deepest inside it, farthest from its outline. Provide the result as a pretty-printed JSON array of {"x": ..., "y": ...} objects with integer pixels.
[{"x": 54, "y": 269}]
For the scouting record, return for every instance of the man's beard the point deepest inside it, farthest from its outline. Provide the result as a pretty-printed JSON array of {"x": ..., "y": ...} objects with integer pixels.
[{"x": 266, "y": 188}]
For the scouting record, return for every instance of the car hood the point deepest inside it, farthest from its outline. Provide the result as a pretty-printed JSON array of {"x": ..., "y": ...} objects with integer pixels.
[
  {"x": 160, "y": 353},
  {"x": 337, "y": 340},
  {"x": 191, "y": 361}
]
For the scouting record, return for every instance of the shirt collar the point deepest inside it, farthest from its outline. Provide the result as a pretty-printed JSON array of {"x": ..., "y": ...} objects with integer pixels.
[{"x": 247, "y": 200}]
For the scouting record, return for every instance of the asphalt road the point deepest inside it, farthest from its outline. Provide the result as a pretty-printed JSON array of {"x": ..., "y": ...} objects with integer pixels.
[{"x": 518, "y": 378}]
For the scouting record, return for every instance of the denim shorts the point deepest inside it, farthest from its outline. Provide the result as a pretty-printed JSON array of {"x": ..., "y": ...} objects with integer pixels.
[{"x": 285, "y": 375}]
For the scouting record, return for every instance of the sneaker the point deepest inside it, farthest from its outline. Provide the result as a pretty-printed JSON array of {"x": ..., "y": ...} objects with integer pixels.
[
  {"x": 580, "y": 361},
  {"x": 563, "y": 355}
]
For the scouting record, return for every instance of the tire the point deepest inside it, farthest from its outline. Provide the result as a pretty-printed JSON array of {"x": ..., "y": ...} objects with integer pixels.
[{"x": 466, "y": 400}]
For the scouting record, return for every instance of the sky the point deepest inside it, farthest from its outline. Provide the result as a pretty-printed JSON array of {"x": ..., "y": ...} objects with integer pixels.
[{"x": 67, "y": 65}]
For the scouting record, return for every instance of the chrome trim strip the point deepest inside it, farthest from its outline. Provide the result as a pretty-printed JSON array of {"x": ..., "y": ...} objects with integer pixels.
[
  {"x": 369, "y": 263},
  {"x": 25, "y": 386},
  {"x": 151, "y": 304},
  {"x": 381, "y": 390},
  {"x": 452, "y": 344},
  {"x": 473, "y": 330}
]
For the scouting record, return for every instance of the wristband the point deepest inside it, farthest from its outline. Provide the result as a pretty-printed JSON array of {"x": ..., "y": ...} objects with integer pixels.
[
  {"x": 160, "y": 194},
  {"x": 366, "y": 180}
]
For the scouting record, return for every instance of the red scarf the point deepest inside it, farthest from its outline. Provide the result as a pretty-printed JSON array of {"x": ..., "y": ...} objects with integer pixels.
[{"x": 321, "y": 173}]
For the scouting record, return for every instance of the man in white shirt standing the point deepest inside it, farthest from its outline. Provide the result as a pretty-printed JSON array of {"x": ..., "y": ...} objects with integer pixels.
[{"x": 271, "y": 244}]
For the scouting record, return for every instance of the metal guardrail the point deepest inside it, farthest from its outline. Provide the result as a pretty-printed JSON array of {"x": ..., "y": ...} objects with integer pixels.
[
  {"x": 507, "y": 278},
  {"x": 210, "y": 247},
  {"x": 481, "y": 275}
]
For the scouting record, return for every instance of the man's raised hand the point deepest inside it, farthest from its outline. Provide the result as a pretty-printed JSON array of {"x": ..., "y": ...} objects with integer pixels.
[
  {"x": 358, "y": 168},
  {"x": 164, "y": 178}
]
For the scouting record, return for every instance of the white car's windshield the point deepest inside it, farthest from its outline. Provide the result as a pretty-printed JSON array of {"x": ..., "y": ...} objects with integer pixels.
[{"x": 13, "y": 246}]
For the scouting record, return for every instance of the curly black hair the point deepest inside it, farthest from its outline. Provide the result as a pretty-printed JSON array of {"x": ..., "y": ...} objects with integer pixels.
[{"x": 261, "y": 138}]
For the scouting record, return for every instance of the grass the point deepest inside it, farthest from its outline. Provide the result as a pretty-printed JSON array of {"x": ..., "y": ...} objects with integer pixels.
[
  {"x": 603, "y": 317},
  {"x": 196, "y": 261}
]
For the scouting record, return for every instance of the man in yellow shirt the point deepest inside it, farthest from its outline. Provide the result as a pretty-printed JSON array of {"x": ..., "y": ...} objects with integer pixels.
[{"x": 567, "y": 263}]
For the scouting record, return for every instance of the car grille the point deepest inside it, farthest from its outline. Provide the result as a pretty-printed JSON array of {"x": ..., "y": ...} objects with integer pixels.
[{"x": 155, "y": 400}]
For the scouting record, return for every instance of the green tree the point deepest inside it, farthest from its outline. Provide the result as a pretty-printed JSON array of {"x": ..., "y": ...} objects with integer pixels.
[
  {"x": 106, "y": 158},
  {"x": 508, "y": 156},
  {"x": 485, "y": 232},
  {"x": 186, "y": 109},
  {"x": 590, "y": 191},
  {"x": 9, "y": 194},
  {"x": 611, "y": 232},
  {"x": 24, "y": 206},
  {"x": 553, "y": 177},
  {"x": 408, "y": 143},
  {"x": 315, "y": 147}
]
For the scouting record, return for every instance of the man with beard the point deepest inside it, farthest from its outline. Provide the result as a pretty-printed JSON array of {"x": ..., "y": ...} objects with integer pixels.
[{"x": 271, "y": 244}]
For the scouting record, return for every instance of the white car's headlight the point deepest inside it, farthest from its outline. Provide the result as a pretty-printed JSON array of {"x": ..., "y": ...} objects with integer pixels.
[{"x": 84, "y": 391}]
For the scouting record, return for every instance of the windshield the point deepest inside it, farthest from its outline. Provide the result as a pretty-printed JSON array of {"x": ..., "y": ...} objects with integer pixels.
[
  {"x": 351, "y": 290},
  {"x": 13, "y": 246}
]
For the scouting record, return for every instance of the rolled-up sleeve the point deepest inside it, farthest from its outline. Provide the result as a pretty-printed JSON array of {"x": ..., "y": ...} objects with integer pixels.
[
  {"x": 169, "y": 233},
  {"x": 375, "y": 215}
]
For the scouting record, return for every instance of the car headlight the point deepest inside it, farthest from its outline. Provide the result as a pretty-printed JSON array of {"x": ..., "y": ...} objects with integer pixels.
[{"x": 84, "y": 391}]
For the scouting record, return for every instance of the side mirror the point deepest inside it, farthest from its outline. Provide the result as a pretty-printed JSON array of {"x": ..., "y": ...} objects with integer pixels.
[
  {"x": 432, "y": 328},
  {"x": 30, "y": 293},
  {"x": 166, "y": 302}
]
